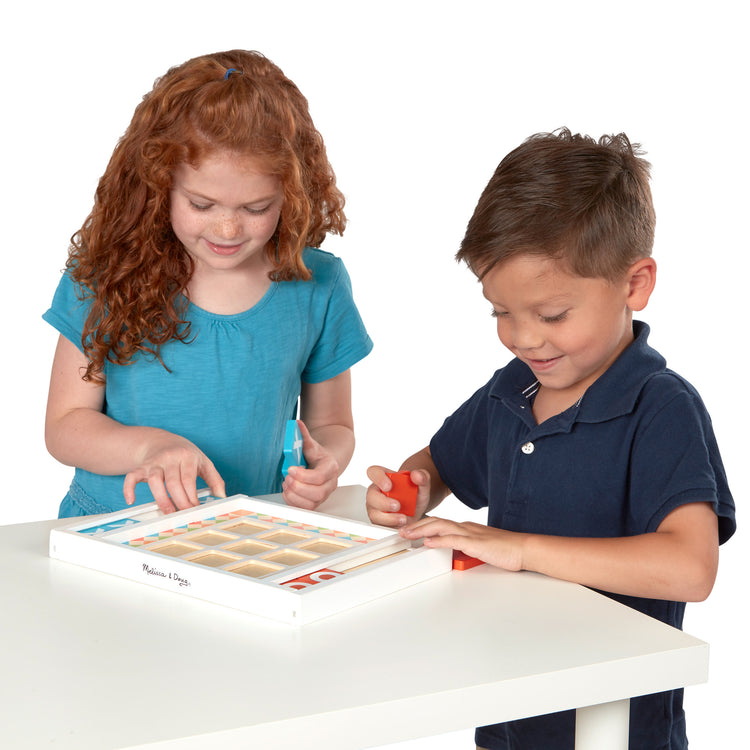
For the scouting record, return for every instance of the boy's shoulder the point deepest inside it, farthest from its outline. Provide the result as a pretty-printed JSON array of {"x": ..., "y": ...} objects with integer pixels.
[
  {"x": 667, "y": 382},
  {"x": 641, "y": 374}
]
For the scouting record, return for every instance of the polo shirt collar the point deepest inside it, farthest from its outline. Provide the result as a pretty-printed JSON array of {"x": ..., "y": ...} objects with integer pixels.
[{"x": 614, "y": 394}]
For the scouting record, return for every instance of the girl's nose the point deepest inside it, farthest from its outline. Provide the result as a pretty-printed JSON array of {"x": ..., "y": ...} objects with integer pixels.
[{"x": 227, "y": 226}]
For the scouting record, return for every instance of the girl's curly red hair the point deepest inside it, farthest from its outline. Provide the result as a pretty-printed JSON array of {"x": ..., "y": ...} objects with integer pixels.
[{"x": 126, "y": 257}]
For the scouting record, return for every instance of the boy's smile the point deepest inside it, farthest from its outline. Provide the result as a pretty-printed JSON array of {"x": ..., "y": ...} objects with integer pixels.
[{"x": 568, "y": 329}]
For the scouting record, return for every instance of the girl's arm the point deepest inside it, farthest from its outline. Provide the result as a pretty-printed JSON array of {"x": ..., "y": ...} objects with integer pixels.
[
  {"x": 677, "y": 562},
  {"x": 327, "y": 428},
  {"x": 78, "y": 433}
]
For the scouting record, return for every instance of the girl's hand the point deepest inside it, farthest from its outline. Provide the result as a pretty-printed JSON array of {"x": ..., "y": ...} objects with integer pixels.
[
  {"x": 309, "y": 487},
  {"x": 170, "y": 466},
  {"x": 503, "y": 549},
  {"x": 384, "y": 510}
]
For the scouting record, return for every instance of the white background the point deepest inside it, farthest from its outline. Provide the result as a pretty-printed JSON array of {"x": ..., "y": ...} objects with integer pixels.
[{"x": 418, "y": 102}]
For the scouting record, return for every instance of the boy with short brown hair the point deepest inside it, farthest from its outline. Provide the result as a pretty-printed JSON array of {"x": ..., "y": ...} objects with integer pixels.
[{"x": 598, "y": 464}]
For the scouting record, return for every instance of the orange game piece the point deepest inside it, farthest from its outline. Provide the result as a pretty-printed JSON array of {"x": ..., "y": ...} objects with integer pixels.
[
  {"x": 403, "y": 490},
  {"x": 462, "y": 561}
]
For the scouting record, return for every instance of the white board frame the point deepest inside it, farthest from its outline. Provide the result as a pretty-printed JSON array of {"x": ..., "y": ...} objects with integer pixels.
[{"x": 106, "y": 550}]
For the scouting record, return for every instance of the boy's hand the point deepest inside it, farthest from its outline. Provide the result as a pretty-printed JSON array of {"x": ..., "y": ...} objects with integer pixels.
[
  {"x": 170, "y": 465},
  {"x": 309, "y": 487},
  {"x": 503, "y": 549},
  {"x": 384, "y": 510}
]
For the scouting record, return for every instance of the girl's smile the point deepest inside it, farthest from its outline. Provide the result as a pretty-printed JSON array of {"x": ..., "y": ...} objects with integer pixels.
[{"x": 223, "y": 249}]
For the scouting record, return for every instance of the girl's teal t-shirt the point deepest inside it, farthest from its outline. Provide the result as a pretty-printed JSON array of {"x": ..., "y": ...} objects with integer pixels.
[{"x": 231, "y": 388}]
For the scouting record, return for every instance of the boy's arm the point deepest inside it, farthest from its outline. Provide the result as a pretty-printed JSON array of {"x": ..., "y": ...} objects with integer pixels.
[
  {"x": 327, "y": 428},
  {"x": 431, "y": 491},
  {"x": 677, "y": 562},
  {"x": 78, "y": 433}
]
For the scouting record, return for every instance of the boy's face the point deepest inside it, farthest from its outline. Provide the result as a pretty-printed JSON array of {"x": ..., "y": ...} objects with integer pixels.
[{"x": 568, "y": 329}]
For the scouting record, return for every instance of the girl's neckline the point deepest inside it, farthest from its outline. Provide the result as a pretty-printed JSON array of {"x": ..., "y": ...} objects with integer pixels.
[{"x": 252, "y": 310}]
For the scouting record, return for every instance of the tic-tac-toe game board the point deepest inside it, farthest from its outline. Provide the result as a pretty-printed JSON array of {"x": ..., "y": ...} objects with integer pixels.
[{"x": 288, "y": 564}]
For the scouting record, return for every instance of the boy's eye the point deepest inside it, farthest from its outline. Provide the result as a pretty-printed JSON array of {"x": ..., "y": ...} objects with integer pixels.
[
  {"x": 544, "y": 318},
  {"x": 554, "y": 318}
]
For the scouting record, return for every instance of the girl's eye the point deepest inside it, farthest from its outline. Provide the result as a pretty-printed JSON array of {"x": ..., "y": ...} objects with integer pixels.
[
  {"x": 257, "y": 211},
  {"x": 498, "y": 313},
  {"x": 206, "y": 206}
]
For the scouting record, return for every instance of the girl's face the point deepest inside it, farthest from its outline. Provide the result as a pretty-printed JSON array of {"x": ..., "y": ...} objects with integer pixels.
[{"x": 224, "y": 212}]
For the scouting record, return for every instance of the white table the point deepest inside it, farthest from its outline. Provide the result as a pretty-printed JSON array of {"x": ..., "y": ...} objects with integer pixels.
[{"x": 93, "y": 661}]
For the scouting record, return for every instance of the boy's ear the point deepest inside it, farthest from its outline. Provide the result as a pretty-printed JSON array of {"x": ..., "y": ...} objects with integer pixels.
[{"x": 641, "y": 278}]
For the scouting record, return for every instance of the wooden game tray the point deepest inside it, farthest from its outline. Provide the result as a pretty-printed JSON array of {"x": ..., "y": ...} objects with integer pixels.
[{"x": 284, "y": 563}]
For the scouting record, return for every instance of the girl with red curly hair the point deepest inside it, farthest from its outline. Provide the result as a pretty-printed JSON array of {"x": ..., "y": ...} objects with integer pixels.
[{"x": 196, "y": 311}]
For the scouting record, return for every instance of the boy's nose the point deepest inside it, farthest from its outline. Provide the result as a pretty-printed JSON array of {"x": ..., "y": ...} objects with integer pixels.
[{"x": 527, "y": 336}]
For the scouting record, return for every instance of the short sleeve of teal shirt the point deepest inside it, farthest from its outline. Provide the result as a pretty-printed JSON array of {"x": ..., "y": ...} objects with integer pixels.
[{"x": 233, "y": 386}]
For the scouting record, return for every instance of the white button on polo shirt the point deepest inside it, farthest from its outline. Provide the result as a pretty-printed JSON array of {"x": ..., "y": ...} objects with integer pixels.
[{"x": 527, "y": 448}]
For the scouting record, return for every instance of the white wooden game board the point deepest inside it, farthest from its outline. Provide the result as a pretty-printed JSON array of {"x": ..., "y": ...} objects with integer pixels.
[{"x": 288, "y": 564}]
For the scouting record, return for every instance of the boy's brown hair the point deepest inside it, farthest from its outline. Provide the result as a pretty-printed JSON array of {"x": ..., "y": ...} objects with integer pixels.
[{"x": 568, "y": 197}]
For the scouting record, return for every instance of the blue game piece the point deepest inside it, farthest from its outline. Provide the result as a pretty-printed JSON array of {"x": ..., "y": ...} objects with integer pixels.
[{"x": 292, "y": 447}]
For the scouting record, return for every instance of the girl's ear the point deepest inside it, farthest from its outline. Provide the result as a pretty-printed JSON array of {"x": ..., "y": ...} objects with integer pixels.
[{"x": 641, "y": 278}]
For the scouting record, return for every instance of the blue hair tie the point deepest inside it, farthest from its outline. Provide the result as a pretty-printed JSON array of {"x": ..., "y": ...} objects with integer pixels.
[{"x": 230, "y": 71}]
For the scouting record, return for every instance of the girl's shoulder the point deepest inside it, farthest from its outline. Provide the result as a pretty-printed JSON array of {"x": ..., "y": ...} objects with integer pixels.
[
  {"x": 321, "y": 263},
  {"x": 71, "y": 296},
  {"x": 69, "y": 308},
  {"x": 329, "y": 274}
]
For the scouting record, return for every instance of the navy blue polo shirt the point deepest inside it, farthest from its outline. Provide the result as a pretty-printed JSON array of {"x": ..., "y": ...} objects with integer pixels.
[{"x": 638, "y": 445}]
